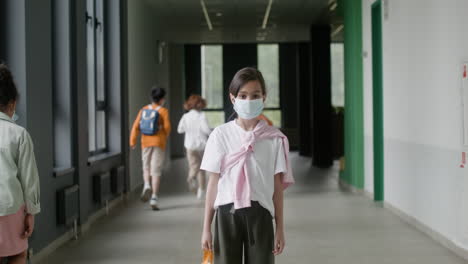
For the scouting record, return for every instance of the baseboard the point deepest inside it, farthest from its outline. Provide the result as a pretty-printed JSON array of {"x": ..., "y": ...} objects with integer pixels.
[
  {"x": 451, "y": 245},
  {"x": 350, "y": 187},
  {"x": 84, "y": 228},
  {"x": 428, "y": 231},
  {"x": 368, "y": 194},
  {"x": 49, "y": 249}
]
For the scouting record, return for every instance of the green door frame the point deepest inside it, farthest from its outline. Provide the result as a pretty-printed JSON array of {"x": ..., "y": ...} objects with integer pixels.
[
  {"x": 377, "y": 84},
  {"x": 354, "y": 105}
]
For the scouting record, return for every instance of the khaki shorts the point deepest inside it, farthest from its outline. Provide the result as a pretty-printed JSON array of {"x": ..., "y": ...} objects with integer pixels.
[
  {"x": 194, "y": 158},
  {"x": 153, "y": 161}
]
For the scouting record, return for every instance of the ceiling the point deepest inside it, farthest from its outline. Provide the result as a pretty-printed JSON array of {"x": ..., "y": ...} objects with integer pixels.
[{"x": 247, "y": 14}]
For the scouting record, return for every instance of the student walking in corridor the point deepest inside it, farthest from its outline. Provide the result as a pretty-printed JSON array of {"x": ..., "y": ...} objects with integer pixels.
[
  {"x": 195, "y": 126},
  {"x": 154, "y": 125},
  {"x": 19, "y": 179}
]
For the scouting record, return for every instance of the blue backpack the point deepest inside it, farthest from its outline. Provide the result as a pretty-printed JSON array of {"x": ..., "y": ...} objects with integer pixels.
[{"x": 149, "y": 121}]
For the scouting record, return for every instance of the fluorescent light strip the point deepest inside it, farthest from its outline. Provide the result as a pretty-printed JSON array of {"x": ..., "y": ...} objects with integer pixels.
[
  {"x": 207, "y": 17},
  {"x": 267, "y": 14},
  {"x": 337, "y": 30}
]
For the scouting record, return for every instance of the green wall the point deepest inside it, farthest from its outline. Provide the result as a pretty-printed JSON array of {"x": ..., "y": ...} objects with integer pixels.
[{"x": 354, "y": 115}]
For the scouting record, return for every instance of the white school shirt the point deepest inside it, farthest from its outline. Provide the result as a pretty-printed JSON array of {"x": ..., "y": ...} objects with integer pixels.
[
  {"x": 195, "y": 126},
  {"x": 263, "y": 164}
]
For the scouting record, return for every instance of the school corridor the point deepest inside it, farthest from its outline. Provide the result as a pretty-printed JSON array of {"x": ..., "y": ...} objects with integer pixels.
[
  {"x": 325, "y": 223},
  {"x": 371, "y": 94}
]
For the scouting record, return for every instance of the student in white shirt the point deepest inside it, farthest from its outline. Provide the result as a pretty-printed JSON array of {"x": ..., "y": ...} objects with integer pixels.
[
  {"x": 195, "y": 126},
  {"x": 19, "y": 178},
  {"x": 249, "y": 167}
]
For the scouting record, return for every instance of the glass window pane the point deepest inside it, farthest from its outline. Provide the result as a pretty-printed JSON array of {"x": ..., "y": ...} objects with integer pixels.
[
  {"x": 101, "y": 130},
  {"x": 100, "y": 78},
  {"x": 274, "y": 116},
  {"x": 337, "y": 65},
  {"x": 268, "y": 64},
  {"x": 91, "y": 76},
  {"x": 212, "y": 75},
  {"x": 215, "y": 118}
]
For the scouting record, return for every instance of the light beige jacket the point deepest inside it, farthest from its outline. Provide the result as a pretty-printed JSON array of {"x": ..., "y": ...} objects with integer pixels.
[{"x": 19, "y": 179}]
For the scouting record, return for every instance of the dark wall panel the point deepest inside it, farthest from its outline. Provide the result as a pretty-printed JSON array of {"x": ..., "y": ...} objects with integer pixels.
[
  {"x": 192, "y": 69},
  {"x": 305, "y": 102},
  {"x": 27, "y": 45},
  {"x": 289, "y": 91},
  {"x": 322, "y": 146}
]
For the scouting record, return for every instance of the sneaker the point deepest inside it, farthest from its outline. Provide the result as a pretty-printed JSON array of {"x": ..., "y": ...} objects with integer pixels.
[
  {"x": 200, "y": 194},
  {"x": 145, "y": 194},
  {"x": 192, "y": 184},
  {"x": 154, "y": 204}
]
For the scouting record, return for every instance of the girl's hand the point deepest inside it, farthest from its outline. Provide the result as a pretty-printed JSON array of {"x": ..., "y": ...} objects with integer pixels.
[
  {"x": 206, "y": 241},
  {"x": 279, "y": 242},
  {"x": 28, "y": 226}
]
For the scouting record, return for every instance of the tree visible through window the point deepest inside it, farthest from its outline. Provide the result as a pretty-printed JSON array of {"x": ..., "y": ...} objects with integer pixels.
[
  {"x": 337, "y": 68},
  {"x": 212, "y": 83},
  {"x": 268, "y": 64}
]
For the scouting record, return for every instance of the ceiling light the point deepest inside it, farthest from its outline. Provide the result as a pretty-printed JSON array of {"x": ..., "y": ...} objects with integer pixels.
[
  {"x": 337, "y": 30},
  {"x": 333, "y": 6},
  {"x": 219, "y": 14},
  {"x": 267, "y": 14},
  {"x": 207, "y": 17}
]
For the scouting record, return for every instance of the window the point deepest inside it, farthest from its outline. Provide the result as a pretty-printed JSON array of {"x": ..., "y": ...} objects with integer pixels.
[
  {"x": 268, "y": 64},
  {"x": 62, "y": 83},
  {"x": 212, "y": 83},
  {"x": 97, "y": 103},
  {"x": 337, "y": 65}
]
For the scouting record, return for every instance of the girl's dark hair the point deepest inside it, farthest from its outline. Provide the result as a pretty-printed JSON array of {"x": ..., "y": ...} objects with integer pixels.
[
  {"x": 244, "y": 76},
  {"x": 157, "y": 93},
  {"x": 8, "y": 91},
  {"x": 195, "y": 102}
]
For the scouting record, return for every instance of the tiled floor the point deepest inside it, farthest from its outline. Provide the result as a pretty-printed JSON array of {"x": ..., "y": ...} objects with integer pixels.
[{"x": 323, "y": 225}]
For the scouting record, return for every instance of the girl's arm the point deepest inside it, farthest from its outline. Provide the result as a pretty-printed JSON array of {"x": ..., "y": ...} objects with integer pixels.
[
  {"x": 207, "y": 242},
  {"x": 135, "y": 130},
  {"x": 278, "y": 202},
  {"x": 166, "y": 121},
  {"x": 181, "y": 127},
  {"x": 28, "y": 175}
]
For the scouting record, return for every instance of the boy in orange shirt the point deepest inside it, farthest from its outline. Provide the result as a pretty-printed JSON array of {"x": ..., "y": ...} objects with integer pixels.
[{"x": 153, "y": 146}]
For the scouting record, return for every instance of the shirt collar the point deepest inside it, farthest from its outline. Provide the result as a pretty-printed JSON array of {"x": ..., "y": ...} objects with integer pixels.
[{"x": 5, "y": 117}]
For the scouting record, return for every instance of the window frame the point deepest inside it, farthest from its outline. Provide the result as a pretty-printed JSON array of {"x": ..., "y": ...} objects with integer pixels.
[{"x": 97, "y": 69}]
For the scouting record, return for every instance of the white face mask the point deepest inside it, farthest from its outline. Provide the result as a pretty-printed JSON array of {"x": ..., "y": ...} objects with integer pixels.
[
  {"x": 15, "y": 117},
  {"x": 248, "y": 109}
]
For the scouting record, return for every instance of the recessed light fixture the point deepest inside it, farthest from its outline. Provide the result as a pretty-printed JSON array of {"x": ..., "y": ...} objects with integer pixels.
[
  {"x": 337, "y": 30},
  {"x": 219, "y": 14},
  {"x": 267, "y": 14},
  {"x": 207, "y": 17}
]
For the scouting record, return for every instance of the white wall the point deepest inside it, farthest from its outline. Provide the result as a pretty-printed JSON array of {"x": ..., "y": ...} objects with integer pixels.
[{"x": 424, "y": 43}]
